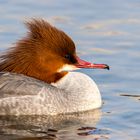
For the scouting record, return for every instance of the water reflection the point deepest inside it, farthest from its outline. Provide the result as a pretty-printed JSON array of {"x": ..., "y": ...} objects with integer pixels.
[
  {"x": 52, "y": 127},
  {"x": 137, "y": 97}
]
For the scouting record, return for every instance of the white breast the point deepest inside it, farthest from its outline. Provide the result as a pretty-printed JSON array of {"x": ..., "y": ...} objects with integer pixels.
[
  {"x": 22, "y": 95},
  {"x": 81, "y": 91}
]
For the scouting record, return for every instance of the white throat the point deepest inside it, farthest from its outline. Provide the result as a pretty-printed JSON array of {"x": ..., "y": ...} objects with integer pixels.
[{"x": 67, "y": 67}]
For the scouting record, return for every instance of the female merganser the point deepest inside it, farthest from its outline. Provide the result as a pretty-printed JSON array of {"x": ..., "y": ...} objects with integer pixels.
[{"x": 35, "y": 77}]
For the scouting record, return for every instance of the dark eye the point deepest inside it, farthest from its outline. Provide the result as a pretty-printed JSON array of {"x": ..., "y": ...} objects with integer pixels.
[{"x": 67, "y": 56}]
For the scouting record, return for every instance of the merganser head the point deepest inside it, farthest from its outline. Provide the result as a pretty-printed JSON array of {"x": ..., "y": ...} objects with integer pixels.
[{"x": 46, "y": 53}]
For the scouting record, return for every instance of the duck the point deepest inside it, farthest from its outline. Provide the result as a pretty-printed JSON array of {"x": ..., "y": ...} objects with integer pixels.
[{"x": 38, "y": 77}]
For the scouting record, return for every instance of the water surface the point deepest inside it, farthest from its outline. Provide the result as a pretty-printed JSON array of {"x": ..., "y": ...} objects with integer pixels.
[{"x": 104, "y": 32}]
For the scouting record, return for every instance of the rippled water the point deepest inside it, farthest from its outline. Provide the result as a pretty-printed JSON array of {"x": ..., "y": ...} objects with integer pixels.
[{"x": 104, "y": 32}]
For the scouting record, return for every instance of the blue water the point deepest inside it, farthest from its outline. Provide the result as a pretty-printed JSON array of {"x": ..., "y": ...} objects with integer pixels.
[{"x": 104, "y": 32}]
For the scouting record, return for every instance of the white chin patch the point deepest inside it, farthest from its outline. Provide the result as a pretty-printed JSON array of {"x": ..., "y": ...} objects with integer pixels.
[{"x": 67, "y": 67}]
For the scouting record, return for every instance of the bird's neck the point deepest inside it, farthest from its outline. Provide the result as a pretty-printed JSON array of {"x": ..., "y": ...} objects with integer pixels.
[{"x": 54, "y": 77}]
